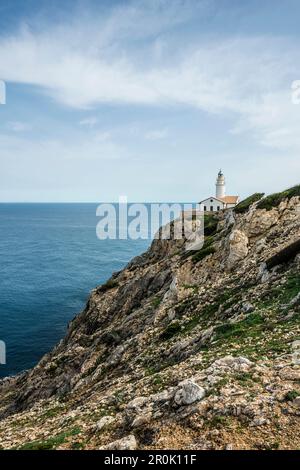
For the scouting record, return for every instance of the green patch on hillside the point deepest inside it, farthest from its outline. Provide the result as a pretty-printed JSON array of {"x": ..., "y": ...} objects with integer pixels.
[
  {"x": 205, "y": 251},
  {"x": 52, "y": 442},
  {"x": 244, "y": 205},
  {"x": 242, "y": 329},
  {"x": 290, "y": 289},
  {"x": 275, "y": 199},
  {"x": 210, "y": 224},
  {"x": 284, "y": 293}
]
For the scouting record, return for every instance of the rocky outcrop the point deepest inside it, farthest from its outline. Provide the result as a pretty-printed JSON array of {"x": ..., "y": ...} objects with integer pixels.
[
  {"x": 180, "y": 349},
  {"x": 238, "y": 248}
]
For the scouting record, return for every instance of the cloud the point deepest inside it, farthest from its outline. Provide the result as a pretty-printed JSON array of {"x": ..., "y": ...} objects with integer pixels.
[
  {"x": 89, "y": 122},
  {"x": 128, "y": 55}
]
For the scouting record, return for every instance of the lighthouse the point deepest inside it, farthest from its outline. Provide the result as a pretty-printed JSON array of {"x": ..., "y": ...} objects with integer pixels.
[
  {"x": 220, "y": 201},
  {"x": 220, "y": 186}
]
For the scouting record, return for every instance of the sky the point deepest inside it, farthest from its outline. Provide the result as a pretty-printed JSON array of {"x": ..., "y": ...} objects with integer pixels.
[{"x": 147, "y": 99}]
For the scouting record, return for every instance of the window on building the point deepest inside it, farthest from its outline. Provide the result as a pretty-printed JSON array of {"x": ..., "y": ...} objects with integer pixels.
[
  {"x": 205, "y": 208},
  {"x": 211, "y": 200},
  {"x": 218, "y": 208},
  {"x": 211, "y": 208}
]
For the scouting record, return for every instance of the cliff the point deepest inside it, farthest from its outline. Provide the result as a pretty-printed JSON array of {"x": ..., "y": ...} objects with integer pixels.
[{"x": 192, "y": 350}]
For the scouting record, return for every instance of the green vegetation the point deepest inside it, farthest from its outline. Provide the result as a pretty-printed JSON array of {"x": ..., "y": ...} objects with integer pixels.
[
  {"x": 51, "y": 443},
  {"x": 110, "y": 284},
  {"x": 291, "y": 395},
  {"x": 205, "y": 251},
  {"x": 240, "y": 329},
  {"x": 156, "y": 302},
  {"x": 290, "y": 289},
  {"x": 225, "y": 299},
  {"x": 275, "y": 199},
  {"x": 210, "y": 224},
  {"x": 244, "y": 205}
]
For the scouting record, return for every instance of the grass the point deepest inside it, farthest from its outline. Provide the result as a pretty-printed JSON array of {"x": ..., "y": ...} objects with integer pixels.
[
  {"x": 275, "y": 199},
  {"x": 51, "y": 443},
  {"x": 240, "y": 329},
  {"x": 244, "y": 205}
]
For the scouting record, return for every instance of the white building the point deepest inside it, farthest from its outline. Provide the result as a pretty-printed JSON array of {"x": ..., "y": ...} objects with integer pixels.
[{"x": 220, "y": 200}]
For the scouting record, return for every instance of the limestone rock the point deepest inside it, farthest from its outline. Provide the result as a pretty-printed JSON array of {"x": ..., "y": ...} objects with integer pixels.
[
  {"x": 261, "y": 221},
  {"x": 126, "y": 443},
  {"x": 188, "y": 392},
  {"x": 104, "y": 422},
  {"x": 238, "y": 248}
]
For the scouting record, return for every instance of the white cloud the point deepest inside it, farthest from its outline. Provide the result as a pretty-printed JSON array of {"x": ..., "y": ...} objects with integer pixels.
[
  {"x": 103, "y": 60},
  {"x": 89, "y": 121}
]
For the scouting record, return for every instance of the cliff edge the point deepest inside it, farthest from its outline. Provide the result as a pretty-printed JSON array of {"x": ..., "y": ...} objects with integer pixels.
[{"x": 180, "y": 350}]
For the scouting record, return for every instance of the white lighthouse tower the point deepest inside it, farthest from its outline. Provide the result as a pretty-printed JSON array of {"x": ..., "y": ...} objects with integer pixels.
[
  {"x": 220, "y": 201},
  {"x": 220, "y": 186}
]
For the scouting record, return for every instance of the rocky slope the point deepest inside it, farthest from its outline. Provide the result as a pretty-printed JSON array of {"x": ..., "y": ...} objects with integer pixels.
[{"x": 192, "y": 350}]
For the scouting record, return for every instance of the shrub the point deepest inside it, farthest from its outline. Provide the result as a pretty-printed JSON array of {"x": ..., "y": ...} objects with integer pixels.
[
  {"x": 244, "y": 205},
  {"x": 291, "y": 395},
  {"x": 156, "y": 302},
  {"x": 275, "y": 199},
  {"x": 110, "y": 284},
  {"x": 210, "y": 224}
]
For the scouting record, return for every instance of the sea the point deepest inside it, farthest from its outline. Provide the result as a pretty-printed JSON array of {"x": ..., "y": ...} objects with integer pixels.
[{"x": 50, "y": 260}]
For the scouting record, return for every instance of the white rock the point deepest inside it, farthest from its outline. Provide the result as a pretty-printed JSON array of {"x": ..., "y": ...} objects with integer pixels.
[
  {"x": 138, "y": 402},
  {"x": 126, "y": 443},
  {"x": 188, "y": 392},
  {"x": 238, "y": 248},
  {"x": 103, "y": 422}
]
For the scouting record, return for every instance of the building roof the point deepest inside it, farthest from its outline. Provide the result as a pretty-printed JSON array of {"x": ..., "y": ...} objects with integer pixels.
[
  {"x": 230, "y": 199},
  {"x": 213, "y": 197}
]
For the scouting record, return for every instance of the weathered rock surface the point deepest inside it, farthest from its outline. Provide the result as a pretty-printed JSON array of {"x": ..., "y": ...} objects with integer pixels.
[
  {"x": 188, "y": 392},
  {"x": 183, "y": 350}
]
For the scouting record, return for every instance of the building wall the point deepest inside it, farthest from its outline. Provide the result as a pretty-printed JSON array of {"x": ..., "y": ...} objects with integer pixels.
[{"x": 211, "y": 202}]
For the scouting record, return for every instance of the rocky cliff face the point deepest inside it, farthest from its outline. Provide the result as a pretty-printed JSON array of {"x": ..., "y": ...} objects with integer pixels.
[{"x": 191, "y": 350}]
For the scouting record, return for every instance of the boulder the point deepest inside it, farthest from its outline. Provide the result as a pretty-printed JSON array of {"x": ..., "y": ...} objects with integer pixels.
[
  {"x": 126, "y": 443},
  {"x": 104, "y": 422},
  {"x": 188, "y": 392}
]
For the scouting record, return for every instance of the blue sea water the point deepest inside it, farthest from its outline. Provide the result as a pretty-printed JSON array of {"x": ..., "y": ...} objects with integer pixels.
[{"x": 50, "y": 259}]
